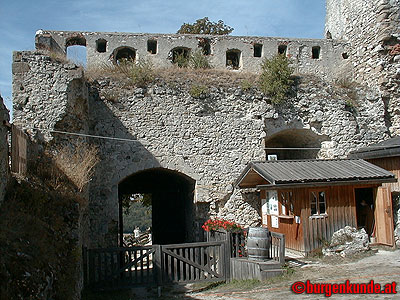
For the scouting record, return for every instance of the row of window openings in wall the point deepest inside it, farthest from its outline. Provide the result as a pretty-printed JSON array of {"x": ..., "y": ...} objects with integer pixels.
[
  {"x": 281, "y": 203},
  {"x": 232, "y": 56},
  {"x": 101, "y": 46}
]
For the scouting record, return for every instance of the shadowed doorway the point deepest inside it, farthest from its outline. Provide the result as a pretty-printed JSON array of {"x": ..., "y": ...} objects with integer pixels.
[{"x": 171, "y": 200}]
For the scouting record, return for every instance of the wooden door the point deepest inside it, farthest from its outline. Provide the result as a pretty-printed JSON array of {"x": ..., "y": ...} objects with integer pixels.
[{"x": 384, "y": 216}]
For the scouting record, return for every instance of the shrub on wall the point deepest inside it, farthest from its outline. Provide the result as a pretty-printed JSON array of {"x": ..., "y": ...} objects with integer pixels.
[
  {"x": 276, "y": 77},
  {"x": 199, "y": 61}
]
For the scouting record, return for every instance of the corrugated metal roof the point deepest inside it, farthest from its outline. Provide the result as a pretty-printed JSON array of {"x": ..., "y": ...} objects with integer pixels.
[
  {"x": 302, "y": 171},
  {"x": 388, "y": 148}
]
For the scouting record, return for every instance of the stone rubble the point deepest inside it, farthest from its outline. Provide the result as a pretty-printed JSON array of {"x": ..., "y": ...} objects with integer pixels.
[{"x": 346, "y": 242}]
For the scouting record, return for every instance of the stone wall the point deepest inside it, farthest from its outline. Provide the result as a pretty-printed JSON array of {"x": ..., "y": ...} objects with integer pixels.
[
  {"x": 210, "y": 138},
  {"x": 48, "y": 94},
  {"x": 4, "y": 162},
  {"x": 372, "y": 30},
  {"x": 300, "y": 50}
]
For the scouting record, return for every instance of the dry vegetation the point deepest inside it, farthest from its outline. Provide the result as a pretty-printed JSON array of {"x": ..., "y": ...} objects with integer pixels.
[
  {"x": 175, "y": 74},
  {"x": 77, "y": 162}
]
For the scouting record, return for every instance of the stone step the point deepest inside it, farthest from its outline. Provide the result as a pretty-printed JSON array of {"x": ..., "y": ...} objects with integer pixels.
[
  {"x": 269, "y": 265},
  {"x": 271, "y": 273}
]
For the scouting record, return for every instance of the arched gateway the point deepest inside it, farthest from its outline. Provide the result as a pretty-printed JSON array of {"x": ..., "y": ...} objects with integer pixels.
[{"x": 172, "y": 196}]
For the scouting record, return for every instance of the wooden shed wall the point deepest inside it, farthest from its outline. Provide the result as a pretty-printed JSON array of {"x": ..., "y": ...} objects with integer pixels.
[
  {"x": 313, "y": 231},
  {"x": 340, "y": 212},
  {"x": 293, "y": 232},
  {"x": 391, "y": 164}
]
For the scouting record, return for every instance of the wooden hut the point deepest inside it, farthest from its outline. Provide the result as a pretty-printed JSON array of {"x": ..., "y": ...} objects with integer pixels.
[
  {"x": 387, "y": 156},
  {"x": 308, "y": 200}
]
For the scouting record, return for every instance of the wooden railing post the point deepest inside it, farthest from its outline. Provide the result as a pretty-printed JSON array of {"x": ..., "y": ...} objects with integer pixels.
[
  {"x": 157, "y": 264},
  {"x": 282, "y": 250},
  {"x": 227, "y": 259}
]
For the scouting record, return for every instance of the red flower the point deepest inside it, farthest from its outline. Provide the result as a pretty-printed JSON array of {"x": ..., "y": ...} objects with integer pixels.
[{"x": 215, "y": 224}]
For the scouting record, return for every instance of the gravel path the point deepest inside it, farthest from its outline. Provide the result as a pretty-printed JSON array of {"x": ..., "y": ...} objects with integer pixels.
[{"x": 383, "y": 268}]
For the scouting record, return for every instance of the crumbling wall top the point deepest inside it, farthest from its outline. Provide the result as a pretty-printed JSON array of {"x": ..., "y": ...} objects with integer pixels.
[{"x": 242, "y": 53}]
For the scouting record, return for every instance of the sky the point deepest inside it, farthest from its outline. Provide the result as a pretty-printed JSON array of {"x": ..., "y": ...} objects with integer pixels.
[{"x": 20, "y": 19}]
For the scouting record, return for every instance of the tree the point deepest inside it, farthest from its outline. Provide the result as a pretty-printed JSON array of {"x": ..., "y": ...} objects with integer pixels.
[
  {"x": 205, "y": 26},
  {"x": 276, "y": 77}
]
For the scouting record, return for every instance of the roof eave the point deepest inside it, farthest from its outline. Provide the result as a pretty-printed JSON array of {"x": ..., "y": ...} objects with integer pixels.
[{"x": 324, "y": 183}]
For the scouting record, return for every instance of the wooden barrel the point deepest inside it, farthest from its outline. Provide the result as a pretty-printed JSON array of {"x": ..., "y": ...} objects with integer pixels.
[{"x": 258, "y": 243}]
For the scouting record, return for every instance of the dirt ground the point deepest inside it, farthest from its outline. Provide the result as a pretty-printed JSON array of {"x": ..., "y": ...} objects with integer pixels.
[{"x": 383, "y": 267}]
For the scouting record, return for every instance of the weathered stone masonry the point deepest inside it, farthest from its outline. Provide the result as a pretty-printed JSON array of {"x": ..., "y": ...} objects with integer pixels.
[
  {"x": 209, "y": 139},
  {"x": 372, "y": 30},
  {"x": 4, "y": 168},
  {"x": 309, "y": 56}
]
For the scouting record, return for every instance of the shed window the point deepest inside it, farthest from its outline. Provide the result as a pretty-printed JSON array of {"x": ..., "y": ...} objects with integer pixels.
[
  {"x": 152, "y": 46},
  {"x": 316, "y": 52},
  {"x": 282, "y": 49},
  {"x": 257, "y": 50},
  {"x": 286, "y": 201},
  {"x": 318, "y": 202}
]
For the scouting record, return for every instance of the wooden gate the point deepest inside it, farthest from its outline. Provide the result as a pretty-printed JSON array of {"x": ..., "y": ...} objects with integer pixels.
[
  {"x": 116, "y": 268},
  {"x": 195, "y": 262}
]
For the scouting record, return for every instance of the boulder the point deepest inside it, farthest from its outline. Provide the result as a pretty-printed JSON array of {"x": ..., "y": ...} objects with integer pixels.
[{"x": 347, "y": 241}]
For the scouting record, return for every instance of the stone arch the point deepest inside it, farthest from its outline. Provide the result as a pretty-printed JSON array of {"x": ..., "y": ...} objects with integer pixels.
[
  {"x": 123, "y": 53},
  {"x": 75, "y": 49},
  {"x": 75, "y": 40},
  {"x": 305, "y": 144},
  {"x": 180, "y": 56},
  {"x": 172, "y": 195}
]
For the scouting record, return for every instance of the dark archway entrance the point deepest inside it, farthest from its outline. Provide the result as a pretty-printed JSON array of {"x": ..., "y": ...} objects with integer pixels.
[
  {"x": 172, "y": 203},
  {"x": 294, "y": 144}
]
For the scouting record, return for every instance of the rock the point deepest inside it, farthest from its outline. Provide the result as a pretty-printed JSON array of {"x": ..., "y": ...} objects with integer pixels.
[{"x": 347, "y": 241}]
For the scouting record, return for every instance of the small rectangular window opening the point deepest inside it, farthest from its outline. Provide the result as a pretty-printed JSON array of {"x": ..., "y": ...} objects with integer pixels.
[
  {"x": 257, "y": 50},
  {"x": 316, "y": 52},
  {"x": 318, "y": 202},
  {"x": 282, "y": 49},
  {"x": 287, "y": 203},
  {"x": 233, "y": 59},
  {"x": 152, "y": 46},
  {"x": 101, "y": 45}
]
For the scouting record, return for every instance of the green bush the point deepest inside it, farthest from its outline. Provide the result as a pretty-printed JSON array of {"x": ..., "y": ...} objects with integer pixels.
[
  {"x": 246, "y": 85},
  {"x": 198, "y": 91},
  {"x": 276, "y": 77},
  {"x": 199, "y": 61},
  {"x": 182, "y": 60}
]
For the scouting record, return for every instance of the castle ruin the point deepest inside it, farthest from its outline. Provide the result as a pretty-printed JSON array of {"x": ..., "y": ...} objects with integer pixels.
[{"x": 188, "y": 151}]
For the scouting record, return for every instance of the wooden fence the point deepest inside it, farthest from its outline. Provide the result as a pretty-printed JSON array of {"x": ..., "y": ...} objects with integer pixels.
[
  {"x": 277, "y": 247},
  {"x": 237, "y": 243},
  {"x": 114, "y": 268}
]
